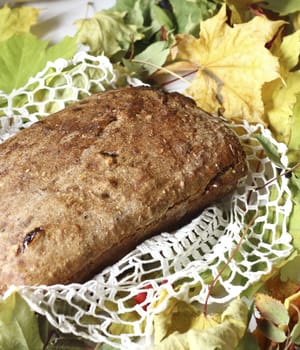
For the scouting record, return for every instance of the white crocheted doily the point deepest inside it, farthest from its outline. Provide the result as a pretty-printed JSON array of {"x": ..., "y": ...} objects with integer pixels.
[{"x": 184, "y": 262}]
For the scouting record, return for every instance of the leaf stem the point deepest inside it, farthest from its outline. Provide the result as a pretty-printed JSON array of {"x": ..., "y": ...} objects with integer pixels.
[
  {"x": 257, "y": 170},
  {"x": 182, "y": 76},
  {"x": 162, "y": 68},
  {"x": 286, "y": 172},
  {"x": 235, "y": 250}
]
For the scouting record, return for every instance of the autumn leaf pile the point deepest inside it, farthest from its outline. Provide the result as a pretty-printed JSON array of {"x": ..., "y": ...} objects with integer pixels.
[{"x": 238, "y": 59}]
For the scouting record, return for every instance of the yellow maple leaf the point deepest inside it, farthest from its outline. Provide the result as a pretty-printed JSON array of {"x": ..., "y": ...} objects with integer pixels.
[
  {"x": 280, "y": 95},
  {"x": 296, "y": 20},
  {"x": 233, "y": 65},
  {"x": 181, "y": 326},
  {"x": 16, "y": 21}
]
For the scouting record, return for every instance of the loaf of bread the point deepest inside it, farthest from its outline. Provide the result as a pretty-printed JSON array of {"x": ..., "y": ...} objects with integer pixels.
[{"x": 82, "y": 187}]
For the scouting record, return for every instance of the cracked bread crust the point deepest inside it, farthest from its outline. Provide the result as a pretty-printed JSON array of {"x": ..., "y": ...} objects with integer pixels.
[{"x": 82, "y": 187}]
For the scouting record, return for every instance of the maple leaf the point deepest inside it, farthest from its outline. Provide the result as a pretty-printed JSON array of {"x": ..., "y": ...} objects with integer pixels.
[
  {"x": 18, "y": 53},
  {"x": 180, "y": 327},
  {"x": 233, "y": 65},
  {"x": 18, "y": 325},
  {"x": 271, "y": 309},
  {"x": 280, "y": 96},
  {"x": 16, "y": 21},
  {"x": 296, "y": 20},
  {"x": 107, "y": 33}
]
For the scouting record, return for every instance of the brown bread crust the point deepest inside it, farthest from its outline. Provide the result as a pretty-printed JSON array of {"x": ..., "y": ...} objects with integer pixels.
[{"x": 83, "y": 186}]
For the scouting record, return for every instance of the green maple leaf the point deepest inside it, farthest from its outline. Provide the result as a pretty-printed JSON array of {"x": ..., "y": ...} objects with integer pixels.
[
  {"x": 107, "y": 33},
  {"x": 189, "y": 13},
  {"x": 22, "y": 56}
]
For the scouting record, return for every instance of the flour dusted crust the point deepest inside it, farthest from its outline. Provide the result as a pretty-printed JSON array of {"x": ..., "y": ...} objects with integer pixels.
[{"x": 82, "y": 187}]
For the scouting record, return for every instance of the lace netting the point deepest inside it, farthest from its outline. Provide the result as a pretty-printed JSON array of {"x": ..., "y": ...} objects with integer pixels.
[
  {"x": 58, "y": 84},
  {"x": 183, "y": 263}
]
